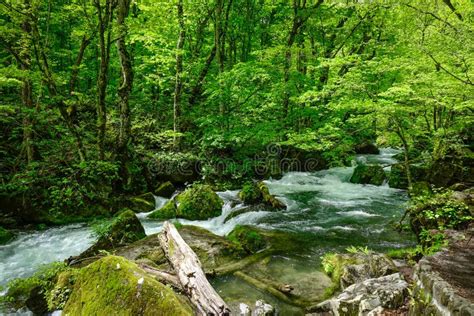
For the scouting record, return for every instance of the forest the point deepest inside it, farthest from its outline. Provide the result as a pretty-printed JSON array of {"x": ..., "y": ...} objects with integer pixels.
[{"x": 237, "y": 157}]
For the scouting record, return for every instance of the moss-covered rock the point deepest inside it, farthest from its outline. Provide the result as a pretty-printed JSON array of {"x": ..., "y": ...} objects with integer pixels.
[
  {"x": 5, "y": 235},
  {"x": 198, "y": 202},
  {"x": 58, "y": 296},
  {"x": 398, "y": 176},
  {"x": 250, "y": 193},
  {"x": 165, "y": 189},
  {"x": 114, "y": 285},
  {"x": 33, "y": 291},
  {"x": 166, "y": 212},
  {"x": 254, "y": 193},
  {"x": 268, "y": 198},
  {"x": 142, "y": 203},
  {"x": 247, "y": 238},
  {"x": 350, "y": 268},
  {"x": 368, "y": 174},
  {"x": 125, "y": 228}
]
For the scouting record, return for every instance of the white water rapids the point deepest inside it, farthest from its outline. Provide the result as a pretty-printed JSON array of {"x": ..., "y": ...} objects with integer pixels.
[{"x": 323, "y": 205}]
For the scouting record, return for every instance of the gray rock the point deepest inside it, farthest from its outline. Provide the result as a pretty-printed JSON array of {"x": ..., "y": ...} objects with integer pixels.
[
  {"x": 366, "y": 266},
  {"x": 263, "y": 309},
  {"x": 368, "y": 297}
]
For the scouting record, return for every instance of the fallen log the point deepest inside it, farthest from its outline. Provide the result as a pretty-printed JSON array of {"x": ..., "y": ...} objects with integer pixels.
[
  {"x": 188, "y": 269},
  {"x": 162, "y": 276}
]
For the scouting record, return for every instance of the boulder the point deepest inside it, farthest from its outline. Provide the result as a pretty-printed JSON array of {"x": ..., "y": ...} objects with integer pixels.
[
  {"x": 398, "y": 177},
  {"x": 255, "y": 193},
  {"x": 142, "y": 203},
  {"x": 114, "y": 284},
  {"x": 366, "y": 148},
  {"x": 268, "y": 198},
  {"x": 247, "y": 238},
  {"x": 125, "y": 228},
  {"x": 167, "y": 211},
  {"x": 350, "y": 268},
  {"x": 444, "y": 282},
  {"x": 250, "y": 193},
  {"x": 368, "y": 297},
  {"x": 368, "y": 174},
  {"x": 5, "y": 235},
  {"x": 198, "y": 202},
  {"x": 165, "y": 189}
]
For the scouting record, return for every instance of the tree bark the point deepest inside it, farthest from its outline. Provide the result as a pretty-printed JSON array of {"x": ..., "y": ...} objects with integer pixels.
[
  {"x": 197, "y": 89},
  {"x": 105, "y": 16},
  {"x": 190, "y": 274},
  {"x": 179, "y": 69},
  {"x": 126, "y": 83},
  {"x": 27, "y": 87}
]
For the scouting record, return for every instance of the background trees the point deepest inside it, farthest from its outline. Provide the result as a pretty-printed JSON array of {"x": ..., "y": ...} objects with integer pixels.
[{"x": 224, "y": 78}]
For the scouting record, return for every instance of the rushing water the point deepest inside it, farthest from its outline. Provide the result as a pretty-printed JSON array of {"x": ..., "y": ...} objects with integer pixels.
[{"x": 324, "y": 211}]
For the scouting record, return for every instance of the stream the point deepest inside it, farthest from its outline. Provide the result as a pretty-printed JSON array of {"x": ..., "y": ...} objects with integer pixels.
[{"x": 325, "y": 212}]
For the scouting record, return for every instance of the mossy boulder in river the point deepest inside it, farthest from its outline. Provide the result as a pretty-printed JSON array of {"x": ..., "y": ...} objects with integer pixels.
[
  {"x": 5, "y": 235},
  {"x": 398, "y": 176},
  {"x": 250, "y": 193},
  {"x": 114, "y": 284},
  {"x": 195, "y": 203},
  {"x": 142, "y": 203},
  {"x": 254, "y": 193},
  {"x": 125, "y": 228},
  {"x": 165, "y": 189},
  {"x": 167, "y": 211},
  {"x": 368, "y": 174},
  {"x": 247, "y": 238}
]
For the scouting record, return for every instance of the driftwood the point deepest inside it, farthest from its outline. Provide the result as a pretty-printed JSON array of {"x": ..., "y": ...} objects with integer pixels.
[
  {"x": 188, "y": 270},
  {"x": 162, "y": 276}
]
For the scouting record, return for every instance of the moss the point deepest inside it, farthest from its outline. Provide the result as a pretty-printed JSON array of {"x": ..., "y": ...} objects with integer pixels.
[
  {"x": 420, "y": 188},
  {"x": 268, "y": 198},
  {"x": 114, "y": 284},
  {"x": 59, "y": 295},
  {"x": 198, "y": 202},
  {"x": 165, "y": 189},
  {"x": 5, "y": 235},
  {"x": 33, "y": 291},
  {"x": 247, "y": 238},
  {"x": 250, "y": 193},
  {"x": 125, "y": 228},
  {"x": 368, "y": 174},
  {"x": 333, "y": 264},
  {"x": 142, "y": 203},
  {"x": 166, "y": 212}
]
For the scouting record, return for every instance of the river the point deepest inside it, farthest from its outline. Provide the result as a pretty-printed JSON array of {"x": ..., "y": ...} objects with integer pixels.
[{"x": 324, "y": 210}]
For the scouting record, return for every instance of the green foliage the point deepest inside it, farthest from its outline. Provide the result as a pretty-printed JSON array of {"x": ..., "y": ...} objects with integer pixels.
[
  {"x": 250, "y": 193},
  {"x": 5, "y": 235},
  {"x": 440, "y": 211},
  {"x": 19, "y": 289}
]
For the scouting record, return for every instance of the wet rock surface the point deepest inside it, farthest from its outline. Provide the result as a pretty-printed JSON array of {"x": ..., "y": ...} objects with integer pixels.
[
  {"x": 444, "y": 282},
  {"x": 369, "y": 297}
]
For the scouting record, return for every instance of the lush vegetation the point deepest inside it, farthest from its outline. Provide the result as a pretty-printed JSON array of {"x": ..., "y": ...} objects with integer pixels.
[{"x": 107, "y": 98}]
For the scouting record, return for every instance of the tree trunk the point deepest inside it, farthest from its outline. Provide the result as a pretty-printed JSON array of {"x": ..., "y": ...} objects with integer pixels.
[
  {"x": 105, "y": 15},
  {"x": 179, "y": 69},
  {"x": 197, "y": 89},
  {"x": 27, "y": 87},
  {"x": 189, "y": 272},
  {"x": 126, "y": 82}
]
